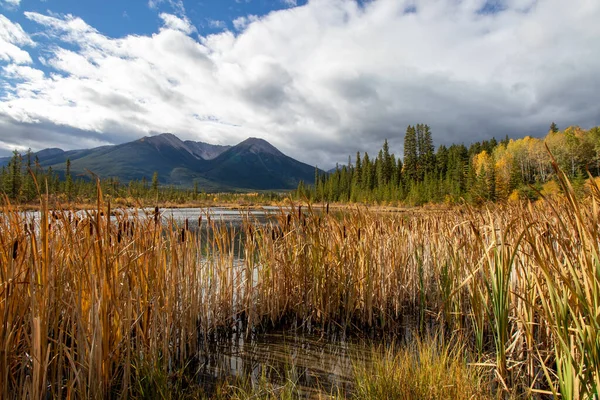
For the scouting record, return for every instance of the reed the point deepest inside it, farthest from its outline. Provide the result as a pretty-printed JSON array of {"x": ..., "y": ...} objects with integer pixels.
[{"x": 90, "y": 303}]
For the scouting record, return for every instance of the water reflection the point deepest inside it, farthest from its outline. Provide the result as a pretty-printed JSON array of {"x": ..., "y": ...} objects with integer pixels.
[{"x": 314, "y": 363}]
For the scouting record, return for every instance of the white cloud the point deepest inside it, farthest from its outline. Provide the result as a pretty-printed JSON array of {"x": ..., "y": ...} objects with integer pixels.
[
  {"x": 10, "y": 4},
  {"x": 217, "y": 24},
  {"x": 290, "y": 3},
  {"x": 176, "y": 5},
  {"x": 319, "y": 81},
  {"x": 180, "y": 24},
  {"x": 240, "y": 23},
  {"x": 12, "y": 36}
]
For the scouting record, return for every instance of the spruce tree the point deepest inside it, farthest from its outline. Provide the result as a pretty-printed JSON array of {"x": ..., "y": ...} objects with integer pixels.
[
  {"x": 68, "y": 181},
  {"x": 410, "y": 155},
  {"x": 426, "y": 152},
  {"x": 13, "y": 188}
]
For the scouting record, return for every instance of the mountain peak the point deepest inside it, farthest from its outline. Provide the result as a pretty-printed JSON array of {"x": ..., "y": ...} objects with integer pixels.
[
  {"x": 258, "y": 145},
  {"x": 166, "y": 139}
]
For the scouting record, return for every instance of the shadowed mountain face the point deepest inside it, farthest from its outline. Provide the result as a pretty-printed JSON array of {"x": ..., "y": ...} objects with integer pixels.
[
  {"x": 257, "y": 162},
  {"x": 252, "y": 164}
]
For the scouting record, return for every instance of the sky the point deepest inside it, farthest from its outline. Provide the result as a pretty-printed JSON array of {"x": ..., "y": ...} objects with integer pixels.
[{"x": 319, "y": 79}]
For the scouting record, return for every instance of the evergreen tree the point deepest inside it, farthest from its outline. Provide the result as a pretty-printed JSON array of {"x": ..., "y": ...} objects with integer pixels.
[
  {"x": 410, "y": 155},
  {"x": 68, "y": 181},
  {"x": 387, "y": 163},
  {"x": 28, "y": 183},
  {"x": 426, "y": 152},
  {"x": 553, "y": 128},
  {"x": 14, "y": 178},
  {"x": 441, "y": 158}
]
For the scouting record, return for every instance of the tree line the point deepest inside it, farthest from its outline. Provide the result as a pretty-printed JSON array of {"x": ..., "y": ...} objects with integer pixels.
[
  {"x": 22, "y": 180},
  {"x": 488, "y": 170}
]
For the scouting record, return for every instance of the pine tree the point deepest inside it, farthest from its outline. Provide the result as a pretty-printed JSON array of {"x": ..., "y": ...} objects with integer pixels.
[
  {"x": 387, "y": 163},
  {"x": 68, "y": 181},
  {"x": 28, "y": 183},
  {"x": 553, "y": 128},
  {"x": 441, "y": 159},
  {"x": 13, "y": 183},
  {"x": 410, "y": 155},
  {"x": 426, "y": 152}
]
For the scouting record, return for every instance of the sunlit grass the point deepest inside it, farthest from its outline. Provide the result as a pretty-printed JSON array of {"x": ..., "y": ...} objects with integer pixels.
[{"x": 89, "y": 305}]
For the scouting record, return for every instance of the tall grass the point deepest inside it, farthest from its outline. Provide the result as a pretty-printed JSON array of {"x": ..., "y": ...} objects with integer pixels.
[
  {"x": 426, "y": 369},
  {"x": 89, "y": 304}
]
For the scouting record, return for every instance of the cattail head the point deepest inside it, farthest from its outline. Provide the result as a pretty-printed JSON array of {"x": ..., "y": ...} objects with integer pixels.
[{"x": 15, "y": 251}]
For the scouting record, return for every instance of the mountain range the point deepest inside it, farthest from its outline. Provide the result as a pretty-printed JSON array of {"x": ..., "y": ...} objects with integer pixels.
[{"x": 252, "y": 164}]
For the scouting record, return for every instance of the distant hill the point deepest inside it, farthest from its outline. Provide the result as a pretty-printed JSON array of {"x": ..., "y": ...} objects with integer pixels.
[{"x": 252, "y": 164}]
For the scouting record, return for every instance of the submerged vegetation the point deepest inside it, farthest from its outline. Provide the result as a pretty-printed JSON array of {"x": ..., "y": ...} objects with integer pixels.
[{"x": 93, "y": 306}]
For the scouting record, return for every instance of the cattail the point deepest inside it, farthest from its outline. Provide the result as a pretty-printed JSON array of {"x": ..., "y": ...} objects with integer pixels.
[
  {"x": 182, "y": 235},
  {"x": 187, "y": 226},
  {"x": 156, "y": 214},
  {"x": 299, "y": 212},
  {"x": 272, "y": 234},
  {"x": 327, "y": 209},
  {"x": 289, "y": 219},
  {"x": 199, "y": 221},
  {"x": 15, "y": 249},
  {"x": 344, "y": 231},
  {"x": 358, "y": 233}
]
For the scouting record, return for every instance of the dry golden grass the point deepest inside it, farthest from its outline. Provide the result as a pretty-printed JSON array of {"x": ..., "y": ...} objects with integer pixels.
[{"x": 88, "y": 305}]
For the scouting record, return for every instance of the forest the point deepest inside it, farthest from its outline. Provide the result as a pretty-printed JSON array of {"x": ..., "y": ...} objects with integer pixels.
[
  {"x": 21, "y": 179},
  {"x": 485, "y": 171}
]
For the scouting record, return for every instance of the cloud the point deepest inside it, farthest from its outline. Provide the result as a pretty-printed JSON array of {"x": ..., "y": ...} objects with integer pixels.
[
  {"x": 290, "y": 3},
  {"x": 320, "y": 81},
  {"x": 12, "y": 38},
  {"x": 240, "y": 23},
  {"x": 10, "y": 4},
  {"x": 217, "y": 24},
  {"x": 180, "y": 24},
  {"x": 176, "y": 5}
]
